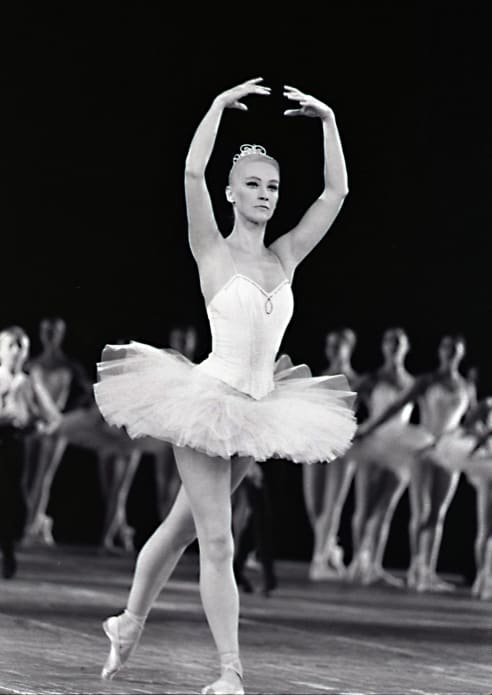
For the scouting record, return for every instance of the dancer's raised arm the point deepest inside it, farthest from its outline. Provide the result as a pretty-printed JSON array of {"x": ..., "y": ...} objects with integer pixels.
[
  {"x": 202, "y": 227},
  {"x": 410, "y": 396},
  {"x": 294, "y": 246}
]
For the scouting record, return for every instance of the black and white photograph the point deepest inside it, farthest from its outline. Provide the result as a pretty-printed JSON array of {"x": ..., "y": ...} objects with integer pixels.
[{"x": 245, "y": 352}]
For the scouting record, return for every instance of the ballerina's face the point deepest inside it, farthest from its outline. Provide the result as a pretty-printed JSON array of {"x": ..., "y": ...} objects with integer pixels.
[
  {"x": 451, "y": 350},
  {"x": 52, "y": 332},
  {"x": 14, "y": 350},
  {"x": 395, "y": 344},
  {"x": 184, "y": 341},
  {"x": 338, "y": 346},
  {"x": 253, "y": 189}
]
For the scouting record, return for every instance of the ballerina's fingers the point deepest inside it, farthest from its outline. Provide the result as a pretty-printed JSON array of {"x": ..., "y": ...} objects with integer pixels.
[
  {"x": 239, "y": 105},
  {"x": 293, "y": 112}
]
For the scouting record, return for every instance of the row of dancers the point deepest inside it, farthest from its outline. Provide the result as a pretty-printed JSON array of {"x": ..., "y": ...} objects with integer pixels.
[{"x": 389, "y": 456}]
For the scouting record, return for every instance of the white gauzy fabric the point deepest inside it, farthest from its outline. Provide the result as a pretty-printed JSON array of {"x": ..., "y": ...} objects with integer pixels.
[
  {"x": 396, "y": 444},
  {"x": 238, "y": 400}
]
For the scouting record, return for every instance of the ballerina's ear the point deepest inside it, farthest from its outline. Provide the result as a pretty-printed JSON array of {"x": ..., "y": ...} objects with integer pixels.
[{"x": 228, "y": 193}]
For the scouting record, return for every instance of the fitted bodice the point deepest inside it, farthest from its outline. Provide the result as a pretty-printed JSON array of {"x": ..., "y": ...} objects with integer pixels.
[
  {"x": 441, "y": 408},
  {"x": 382, "y": 396},
  {"x": 57, "y": 382},
  {"x": 247, "y": 325}
]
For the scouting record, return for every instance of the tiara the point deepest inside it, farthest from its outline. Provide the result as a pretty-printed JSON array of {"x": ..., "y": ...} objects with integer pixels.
[{"x": 247, "y": 150}]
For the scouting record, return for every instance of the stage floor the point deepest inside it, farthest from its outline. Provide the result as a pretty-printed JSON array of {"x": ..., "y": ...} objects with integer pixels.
[{"x": 305, "y": 638}]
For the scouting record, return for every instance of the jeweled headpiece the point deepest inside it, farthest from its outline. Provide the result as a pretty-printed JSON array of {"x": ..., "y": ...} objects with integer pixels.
[{"x": 248, "y": 150}]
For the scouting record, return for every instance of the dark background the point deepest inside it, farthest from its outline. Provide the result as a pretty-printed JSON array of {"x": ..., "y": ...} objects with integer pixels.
[{"x": 100, "y": 108}]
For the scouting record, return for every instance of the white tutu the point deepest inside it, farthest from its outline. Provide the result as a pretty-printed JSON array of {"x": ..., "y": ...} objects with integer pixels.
[
  {"x": 453, "y": 452},
  {"x": 395, "y": 445},
  {"x": 161, "y": 394}
]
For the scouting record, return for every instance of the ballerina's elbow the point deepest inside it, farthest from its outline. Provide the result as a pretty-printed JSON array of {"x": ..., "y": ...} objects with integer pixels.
[
  {"x": 338, "y": 194},
  {"x": 194, "y": 172}
]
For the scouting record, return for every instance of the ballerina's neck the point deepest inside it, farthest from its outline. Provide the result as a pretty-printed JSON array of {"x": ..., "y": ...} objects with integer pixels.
[{"x": 247, "y": 237}]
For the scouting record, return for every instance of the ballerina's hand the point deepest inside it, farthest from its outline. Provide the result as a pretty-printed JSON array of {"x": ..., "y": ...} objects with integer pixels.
[
  {"x": 231, "y": 98},
  {"x": 47, "y": 427},
  {"x": 314, "y": 108}
]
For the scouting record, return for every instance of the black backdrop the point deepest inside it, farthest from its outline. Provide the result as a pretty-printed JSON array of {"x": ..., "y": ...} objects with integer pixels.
[{"x": 101, "y": 106}]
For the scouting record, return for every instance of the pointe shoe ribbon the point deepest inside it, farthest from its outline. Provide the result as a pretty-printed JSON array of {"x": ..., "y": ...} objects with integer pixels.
[{"x": 223, "y": 686}]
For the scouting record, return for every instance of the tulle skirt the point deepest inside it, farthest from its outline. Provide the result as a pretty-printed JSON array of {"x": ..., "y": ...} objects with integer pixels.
[
  {"x": 395, "y": 446},
  {"x": 453, "y": 452},
  {"x": 161, "y": 394}
]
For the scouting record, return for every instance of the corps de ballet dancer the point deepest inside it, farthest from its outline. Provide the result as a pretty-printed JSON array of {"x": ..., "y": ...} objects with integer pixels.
[
  {"x": 24, "y": 405},
  {"x": 326, "y": 485},
  {"x": 230, "y": 408},
  {"x": 467, "y": 449},
  {"x": 385, "y": 459},
  {"x": 71, "y": 390},
  {"x": 443, "y": 397}
]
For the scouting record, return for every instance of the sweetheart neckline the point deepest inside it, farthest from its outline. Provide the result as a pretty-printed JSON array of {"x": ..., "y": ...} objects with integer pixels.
[{"x": 269, "y": 295}]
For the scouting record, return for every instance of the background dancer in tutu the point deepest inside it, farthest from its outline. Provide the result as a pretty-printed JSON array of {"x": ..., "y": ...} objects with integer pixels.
[
  {"x": 70, "y": 388},
  {"x": 24, "y": 405},
  {"x": 468, "y": 449},
  {"x": 231, "y": 407},
  {"x": 443, "y": 397},
  {"x": 384, "y": 459},
  {"x": 326, "y": 486}
]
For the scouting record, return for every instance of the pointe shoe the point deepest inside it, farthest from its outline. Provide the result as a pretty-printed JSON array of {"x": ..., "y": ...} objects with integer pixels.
[
  {"x": 335, "y": 559},
  {"x": 122, "y": 645},
  {"x": 127, "y": 535},
  {"x": 320, "y": 572},
  {"x": 378, "y": 575},
  {"x": 486, "y": 591},
  {"x": 430, "y": 582},
  {"x": 360, "y": 568},
  {"x": 478, "y": 584},
  {"x": 46, "y": 531},
  {"x": 252, "y": 563},
  {"x": 224, "y": 685}
]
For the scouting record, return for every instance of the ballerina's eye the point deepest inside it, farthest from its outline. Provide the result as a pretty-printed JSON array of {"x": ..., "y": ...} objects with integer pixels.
[{"x": 252, "y": 184}]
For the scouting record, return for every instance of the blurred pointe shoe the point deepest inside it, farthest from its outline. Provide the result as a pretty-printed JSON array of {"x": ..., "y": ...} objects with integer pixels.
[
  {"x": 429, "y": 581},
  {"x": 478, "y": 584},
  {"x": 46, "y": 531},
  {"x": 124, "y": 632},
  {"x": 378, "y": 575},
  {"x": 252, "y": 563},
  {"x": 127, "y": 535}
]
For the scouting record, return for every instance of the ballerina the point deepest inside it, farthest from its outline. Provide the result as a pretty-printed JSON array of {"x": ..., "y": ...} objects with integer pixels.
[
  {"x": 231, "y": 407},
  {"x": 384, "y": 460},
  {"x": 70, "y": 389},
  {"x": 326, "y": 486},
  {"x": 468, "y": 449}
]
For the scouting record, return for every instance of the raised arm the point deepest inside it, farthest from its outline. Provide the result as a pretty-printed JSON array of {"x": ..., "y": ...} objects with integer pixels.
[
  {"x": 409, "y": 396},
  {"x": 202, "y": 227},
  {"x": 296, "y": 244}
]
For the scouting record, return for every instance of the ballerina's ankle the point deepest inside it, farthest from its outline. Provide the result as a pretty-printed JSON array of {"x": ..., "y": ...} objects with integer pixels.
[{"x": 229, "y": 661}]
